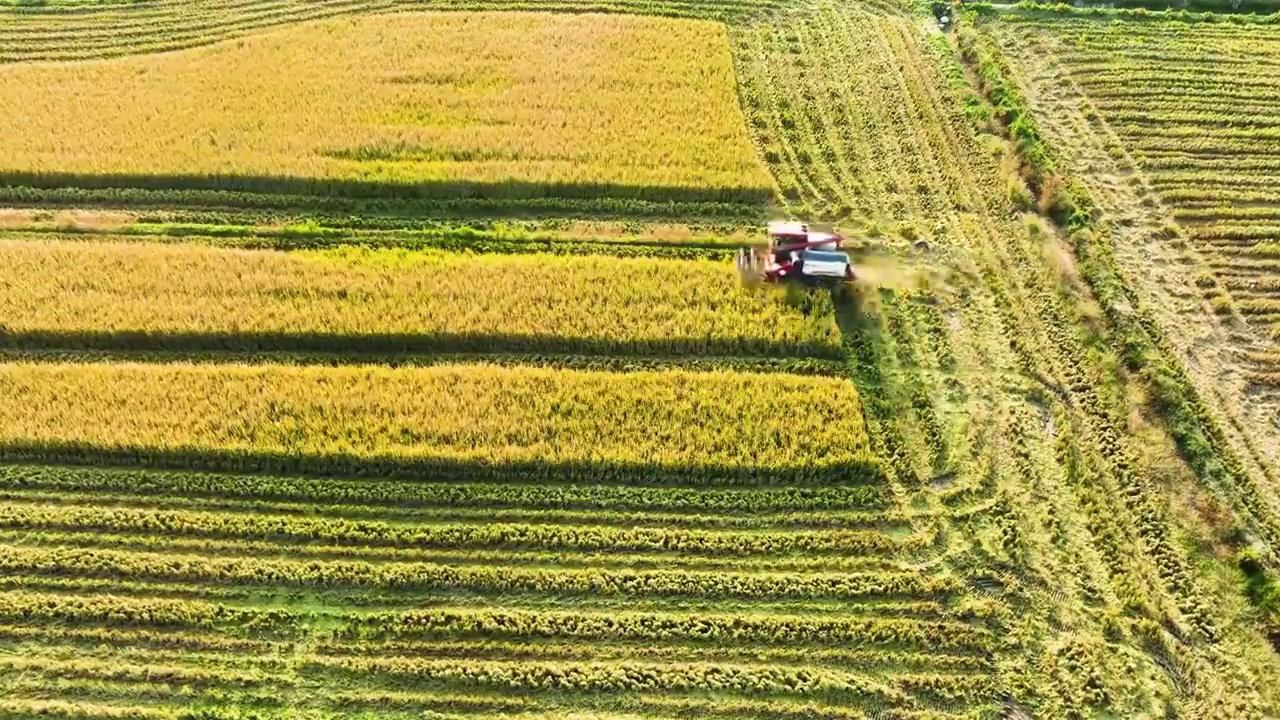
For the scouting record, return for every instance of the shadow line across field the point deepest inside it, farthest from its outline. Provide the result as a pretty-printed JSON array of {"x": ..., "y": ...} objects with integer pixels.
[
  {"x": 384, "y": 344},
  {"x": 438, "y": 189},
  {"x": 439, "y": 469}
]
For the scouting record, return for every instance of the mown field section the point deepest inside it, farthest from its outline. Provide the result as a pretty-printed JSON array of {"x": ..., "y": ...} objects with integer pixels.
[
  {"x": 497, "y": 104},
  {"x": 1197, "y": 106}
]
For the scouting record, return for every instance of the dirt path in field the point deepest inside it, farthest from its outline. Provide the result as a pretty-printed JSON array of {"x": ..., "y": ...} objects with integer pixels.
[{"x": 1212, "y": 348}]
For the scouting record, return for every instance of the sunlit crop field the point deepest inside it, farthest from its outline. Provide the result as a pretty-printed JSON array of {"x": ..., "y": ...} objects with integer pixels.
[
  {"x": 117, "y": 296},
  {"x": 359, "y": 362},
  {"x": 495, "y": 104},
  {"x": 441, "y": 414}
]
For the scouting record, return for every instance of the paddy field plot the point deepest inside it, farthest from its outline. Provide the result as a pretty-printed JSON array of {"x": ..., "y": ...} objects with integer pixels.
[
  {"x": 476, "y": 414},
  {"x": 122, "y": 296},
  {"x": 426, "y": 105}
]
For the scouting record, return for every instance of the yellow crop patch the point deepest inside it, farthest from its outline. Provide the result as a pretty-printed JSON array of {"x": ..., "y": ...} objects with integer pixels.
[
  {"x": 469, "y": 302},
  {"x": 463, "y": 413},
  {"x": 530, "y": 101}
]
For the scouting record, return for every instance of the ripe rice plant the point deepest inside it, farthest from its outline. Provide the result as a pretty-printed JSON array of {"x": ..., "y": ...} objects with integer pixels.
[
  {"x": 359, "y": 106},
  {"x": 191, "y": 299},
  {"x": 444, "y": 419}
]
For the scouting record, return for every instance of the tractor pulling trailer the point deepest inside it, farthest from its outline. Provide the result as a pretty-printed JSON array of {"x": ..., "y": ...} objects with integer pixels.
[{"x": 796, "y": 254}]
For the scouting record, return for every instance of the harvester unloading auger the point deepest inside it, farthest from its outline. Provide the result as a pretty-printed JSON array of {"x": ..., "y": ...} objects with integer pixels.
[{"x": 797, "y": 254}]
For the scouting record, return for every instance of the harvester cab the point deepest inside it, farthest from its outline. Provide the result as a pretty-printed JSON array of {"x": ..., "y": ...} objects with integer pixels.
[{"x": 797, "y": 254}]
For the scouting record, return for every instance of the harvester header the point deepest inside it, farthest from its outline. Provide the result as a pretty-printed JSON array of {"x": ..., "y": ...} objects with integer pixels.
[{"x": 797, "y": 254}]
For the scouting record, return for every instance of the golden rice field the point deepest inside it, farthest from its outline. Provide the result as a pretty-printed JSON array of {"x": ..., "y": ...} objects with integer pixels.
[
  {"x": 499, "y": 104},
  {"x": 475, "y": 413},
  {"x": 115, "y": 295},
  {"x": 365, "y": 362}
]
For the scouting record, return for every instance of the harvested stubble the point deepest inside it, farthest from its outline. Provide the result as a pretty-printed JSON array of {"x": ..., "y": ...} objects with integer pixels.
[{"x": 1194, "y": 105}]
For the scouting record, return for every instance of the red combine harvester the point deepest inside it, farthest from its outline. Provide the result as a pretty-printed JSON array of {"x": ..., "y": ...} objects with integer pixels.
[{"x": 797, "y": 254}]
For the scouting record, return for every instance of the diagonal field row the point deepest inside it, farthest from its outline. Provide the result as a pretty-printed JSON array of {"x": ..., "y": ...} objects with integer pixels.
[{"x": 1202, "y": 125}]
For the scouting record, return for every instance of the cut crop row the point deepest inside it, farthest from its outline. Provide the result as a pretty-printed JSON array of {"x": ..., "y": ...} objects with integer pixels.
[
  {"x": 867, "y": 658},
  {"x": 322, "y": 492},
  {"x": 289, "y": 530},
  {"x": 619, "y": 677},
  {"x": 1198, "y": 115},
  {"x": 158, "y": 618},
  {"x": 878, "y": 646},
  {"x": 718, "y": 630},
  {"x": 638, "y": 560}
]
